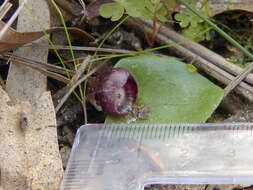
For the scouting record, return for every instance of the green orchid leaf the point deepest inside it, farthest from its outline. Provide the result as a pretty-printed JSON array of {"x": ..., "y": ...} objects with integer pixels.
[{"x": 169, "y": 92}]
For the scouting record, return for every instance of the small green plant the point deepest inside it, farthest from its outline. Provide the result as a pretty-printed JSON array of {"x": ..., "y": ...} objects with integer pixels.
[
  {"x": 191, "y": 24},
  {"x": 155, "y": 10},
  {"x": 147, "y": 9}
]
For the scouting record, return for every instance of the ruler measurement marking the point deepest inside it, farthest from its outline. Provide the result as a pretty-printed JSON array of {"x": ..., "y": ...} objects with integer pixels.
[
  {"x": 114, "y": 129},
  {"x": 77, "y": 174},
  {"x": 183, "y": 130},
  {"x": 131, "y": 133},
  {"x": 109, "y": 131},
  {"x": 169, "y": 132},
  {"x": 127, "y": 129},
  {"x": 151, "y": 133},
  {"x": 136, "y": 132},
  {"x": 161, "y": 132},
  {"x": 120, "y": 133},
  {"x": 139, "y": 133},
  {"x": 125, "y": 133},
  {"x": 146, "y": 135},
  {"x": 164, "y": 133},
  {"x": 178, "y": 130},
  {"x": 117, "y": 132},
  {"x": 156, "y": 132}
]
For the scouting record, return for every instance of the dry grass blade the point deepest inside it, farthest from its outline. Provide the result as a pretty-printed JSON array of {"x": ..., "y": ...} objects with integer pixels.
[
  {"x": 79, "y": 48},
  {"x": 46, "y": 69},
  {"x": 45, "y": 72},
  {"x": 11, "y": 39},
  {"x": 49, "y": 67},
  {"x": 79, "y": 82}
]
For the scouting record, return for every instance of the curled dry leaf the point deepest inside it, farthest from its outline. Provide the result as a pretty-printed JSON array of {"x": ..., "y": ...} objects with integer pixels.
[
  {"x": 13, "y": 39},
  {"x": 93, "y": 8}
]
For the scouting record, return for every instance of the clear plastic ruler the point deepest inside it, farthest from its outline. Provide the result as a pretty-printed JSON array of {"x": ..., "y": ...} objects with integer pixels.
[{"x": 132, "y": 156}]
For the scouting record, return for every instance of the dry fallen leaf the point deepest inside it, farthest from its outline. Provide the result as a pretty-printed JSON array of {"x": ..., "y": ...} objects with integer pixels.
[{"x": 13, "y": 39}]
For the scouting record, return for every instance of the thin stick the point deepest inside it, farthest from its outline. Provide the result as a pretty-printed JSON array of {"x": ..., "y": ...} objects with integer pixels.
[
  {"x": 80, "y": 81},
  {"x": 5, "y": 7},
  {"x": 198, "y": 49},
  {"x": 6, "y": 2},
  {"x": 237, "y": 80},
  {"x": 81, "y": 69},
  {"x": 191, "y": 50},
  {"x": 84, "y": 111},
  {"x": 2, "y": 82}
]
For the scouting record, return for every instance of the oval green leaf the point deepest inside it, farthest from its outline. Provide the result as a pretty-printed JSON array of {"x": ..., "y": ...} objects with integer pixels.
[{"x": 171, "y": 93}]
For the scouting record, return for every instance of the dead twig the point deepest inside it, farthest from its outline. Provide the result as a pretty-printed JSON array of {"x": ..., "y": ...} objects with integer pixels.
[
  {"x": 80, "y": 81},
  {"x": 84, "y": 111},
  {"x": 202, "y": 51},
  {"x": 5, "y": 7},
  {"x": 238, "y": 79},
  {"x": 206, "y": 60},
  {"x": 2, "y": 82},
  {"x": 81, "y": 69}
]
